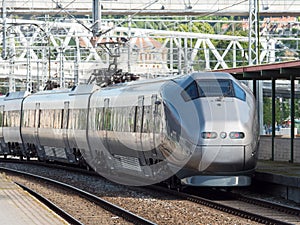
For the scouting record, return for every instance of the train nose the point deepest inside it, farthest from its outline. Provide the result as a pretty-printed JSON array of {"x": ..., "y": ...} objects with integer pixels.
[
  {"x": 223, "y": 150},
  {"x": 222, "y": 158}
]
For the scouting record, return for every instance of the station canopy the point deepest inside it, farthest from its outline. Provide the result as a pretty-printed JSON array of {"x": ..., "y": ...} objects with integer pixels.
[{"x": 281, "y": 70}]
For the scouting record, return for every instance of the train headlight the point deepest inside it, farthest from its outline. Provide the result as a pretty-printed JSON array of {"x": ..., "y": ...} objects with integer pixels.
[
  {"x": 236, "y": 135},
  {"x": 209, "y": 135},
  {"x": 223, "y": 135}
]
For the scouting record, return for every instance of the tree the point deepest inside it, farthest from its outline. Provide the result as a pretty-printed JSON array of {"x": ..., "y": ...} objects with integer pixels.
[{"x": 267, "y": 108}]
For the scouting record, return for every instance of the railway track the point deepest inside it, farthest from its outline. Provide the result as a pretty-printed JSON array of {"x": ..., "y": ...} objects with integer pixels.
[
  {"x": 258, "y": 210},
  {"x": 58, "y": 210},
  {"x": 116, "y": 210},
  {"x": 235, "y": 204}
]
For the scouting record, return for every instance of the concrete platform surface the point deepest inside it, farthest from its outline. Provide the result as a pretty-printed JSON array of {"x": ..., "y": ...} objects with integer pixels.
[
  {"x": 278, "y": 178},
  {"x": 17, "y": 207},
  {"x": 279, "y": 168}
]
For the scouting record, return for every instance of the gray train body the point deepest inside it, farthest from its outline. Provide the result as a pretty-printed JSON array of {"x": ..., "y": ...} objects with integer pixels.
[{"x": 198, "y": 130}]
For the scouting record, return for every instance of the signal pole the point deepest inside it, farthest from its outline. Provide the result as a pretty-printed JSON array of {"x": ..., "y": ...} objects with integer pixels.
[
  {"x": 254, "y": 56},
  {"x": 96, "y": 17},
  {"x": 253, "y": 50},
  {"x": 4, "y": 54}
]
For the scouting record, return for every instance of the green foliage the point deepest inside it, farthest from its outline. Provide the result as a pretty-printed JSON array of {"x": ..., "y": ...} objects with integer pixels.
[
  {"x": 297, "y": 108},
  {"x": 197, "y": 27},
  {"x": 282, "y": 110},
  {"x": 267, "y": 110}
]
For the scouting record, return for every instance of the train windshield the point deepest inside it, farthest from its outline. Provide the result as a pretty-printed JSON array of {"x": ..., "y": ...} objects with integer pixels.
[{"x": 213, "y": 88}]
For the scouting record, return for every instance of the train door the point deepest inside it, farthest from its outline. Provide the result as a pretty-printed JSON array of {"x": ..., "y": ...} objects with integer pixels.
[
  {"x": 156, "y": 122},
  {"x": 1, "y": 122},
  {"x": 2, "y": 142},
  {"x": 106, "y": 123},
  {"x": 65, "y": 124},
  {"x": 40, "y": 150},
  {"x": 140, "y": 135},
  {"x": 147, "y": 129}
]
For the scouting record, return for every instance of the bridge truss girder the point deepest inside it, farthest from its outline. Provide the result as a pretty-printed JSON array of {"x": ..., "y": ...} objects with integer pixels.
[{"x": 67, "y": 51}]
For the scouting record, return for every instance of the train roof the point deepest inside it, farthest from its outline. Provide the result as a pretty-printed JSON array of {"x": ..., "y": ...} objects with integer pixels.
[
  {"x": 16, "y": 95},
  {"x": 198, "y": 75},
  {"x": 134, "y": 86}
]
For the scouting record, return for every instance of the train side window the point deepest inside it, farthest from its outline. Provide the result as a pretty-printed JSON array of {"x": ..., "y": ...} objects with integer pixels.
[
  {"x": 239, "y": 92},
  {"x": 118, "y": 122},
  {"x": 65, "y": 115},
  {"x": 114, "y": 119},
  {"x": 28, "y": 118},
  {"x": 71, "y": 119},
  {"x": 38, "y": 118},
  {"x": 1, "y": 115},
  {"x": 118, "y": 119},
  {"x": 57, "y": 118},
  {"x": 139, "y": 119},
  {"x": 128, "y": 119},
  {"x": 190, "y": 92},
  {"x": 31, "y": 118},
  {"x": 173, "y": 121},
  {"x": 107, "y": 119},
  {"x": 13, "y": 118},
  {"x": 24, "y": 122},
  {"x": 83, "y": 118},
  {"x": 131, "y": 119},
  {"x": 98, "y": 119},
  {"x": 147, "y": 124},
  {"x": 5, "y": 119},
  {"x": 45, "y": 119},
  {"x": 122, "y": 118},
  {"x": 62, "y": 120},
  {"x": 79, "y": 117},
  {"x": 41, "y": 119},
  {"x": 76, "y": 118}
]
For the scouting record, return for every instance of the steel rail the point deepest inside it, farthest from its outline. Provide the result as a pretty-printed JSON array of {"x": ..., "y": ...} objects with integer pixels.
[
  {"x": 267, "y": 204},
  {"x": 127, "y": 215},
  {"x": 222, "y": 207},
  {"x": 66, "y": 216},
  {"x": 204, "y": 201}
]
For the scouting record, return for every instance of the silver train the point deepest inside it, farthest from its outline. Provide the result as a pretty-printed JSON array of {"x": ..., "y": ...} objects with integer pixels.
[{"x": 198, "y": 130}]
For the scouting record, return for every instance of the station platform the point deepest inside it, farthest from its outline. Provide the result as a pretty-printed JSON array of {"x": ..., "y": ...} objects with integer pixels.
[
  {"x": 17, "y": 207},
  {"x": 279, "y": 179}
]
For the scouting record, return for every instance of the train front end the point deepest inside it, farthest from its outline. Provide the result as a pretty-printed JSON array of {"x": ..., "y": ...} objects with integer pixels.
[{"x": 213, "y": 119}]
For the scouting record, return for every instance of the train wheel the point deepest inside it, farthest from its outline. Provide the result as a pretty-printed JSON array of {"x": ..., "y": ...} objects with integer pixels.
[{"x": 174, "y": 184}]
